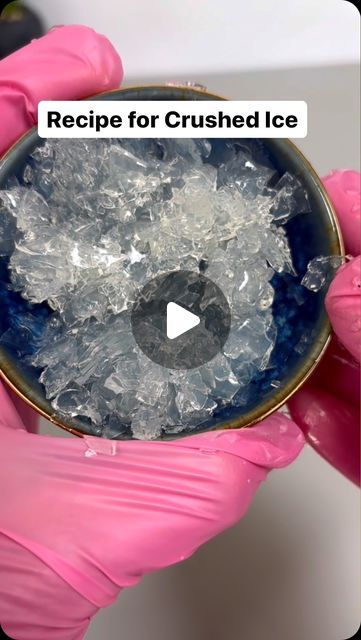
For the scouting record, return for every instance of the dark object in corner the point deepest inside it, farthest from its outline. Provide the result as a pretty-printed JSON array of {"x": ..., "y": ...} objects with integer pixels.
[
  {"x": 4, "y": 634},
  {"x": 18, "y": 26}
]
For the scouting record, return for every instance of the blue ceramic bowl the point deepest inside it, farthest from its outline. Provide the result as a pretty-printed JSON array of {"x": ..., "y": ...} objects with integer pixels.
[{"x": 310, "y": 235}]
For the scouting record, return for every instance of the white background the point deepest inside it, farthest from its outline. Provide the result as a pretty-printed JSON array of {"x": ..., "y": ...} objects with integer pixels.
[
  {"x": 171, "y": 37},
  {"x": 290, "y": 569}
]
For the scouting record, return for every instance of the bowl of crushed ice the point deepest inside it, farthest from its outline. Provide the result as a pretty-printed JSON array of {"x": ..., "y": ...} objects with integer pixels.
[{"x": 85, "y": 224}]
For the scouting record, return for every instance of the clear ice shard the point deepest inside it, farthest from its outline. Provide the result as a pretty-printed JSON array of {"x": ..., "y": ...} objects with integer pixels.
[{"x": 320, "y": 271}]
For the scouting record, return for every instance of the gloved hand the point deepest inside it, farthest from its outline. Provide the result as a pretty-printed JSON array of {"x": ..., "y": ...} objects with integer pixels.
[
  {"x": 327, "y": 408},
  {"x": 80, "y": 519}
]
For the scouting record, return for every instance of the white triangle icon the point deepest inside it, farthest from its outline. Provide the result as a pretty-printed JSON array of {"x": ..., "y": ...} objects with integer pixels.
[{"x": 179, "y": 320}]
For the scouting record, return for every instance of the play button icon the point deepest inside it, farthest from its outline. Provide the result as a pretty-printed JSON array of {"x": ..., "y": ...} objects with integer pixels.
[{"x": 180, "y": 319}]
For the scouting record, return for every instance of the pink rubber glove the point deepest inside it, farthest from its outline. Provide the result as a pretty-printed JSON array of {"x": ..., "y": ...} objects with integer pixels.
[
  {"x": 80, "y": 519},
  {"x": 328, "y": 407}
]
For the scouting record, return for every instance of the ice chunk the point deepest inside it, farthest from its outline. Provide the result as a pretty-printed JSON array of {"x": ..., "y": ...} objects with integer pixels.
[
  {"x": 77, "y": 402},
  {"x": 320, "y": 272},
  {"x": 290, "y": 199},
  {"x": 146, "y": 425}
]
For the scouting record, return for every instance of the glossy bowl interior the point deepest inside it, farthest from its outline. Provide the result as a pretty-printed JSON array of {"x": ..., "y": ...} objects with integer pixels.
[{"x": 310, "y": 235}]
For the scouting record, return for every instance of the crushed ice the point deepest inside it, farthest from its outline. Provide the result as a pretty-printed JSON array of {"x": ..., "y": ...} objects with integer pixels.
[{"x": 94, "y": 220}]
